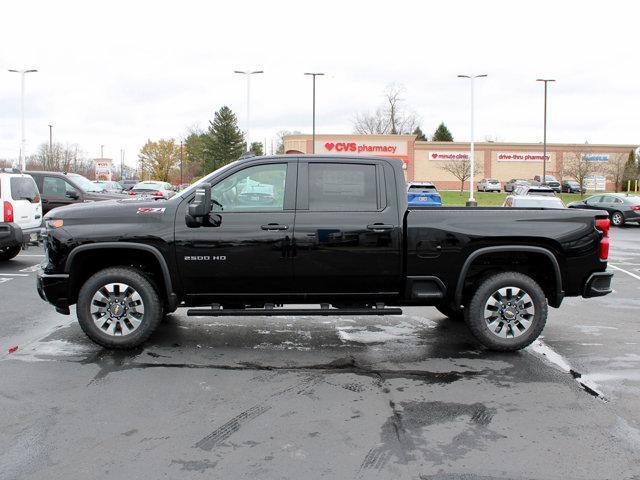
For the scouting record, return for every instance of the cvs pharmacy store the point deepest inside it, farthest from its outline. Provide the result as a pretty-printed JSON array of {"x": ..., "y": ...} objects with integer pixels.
[{"x": 432, "y": 161}]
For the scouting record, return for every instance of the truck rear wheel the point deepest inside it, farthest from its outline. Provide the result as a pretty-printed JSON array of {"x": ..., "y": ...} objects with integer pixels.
[
  {"x": 7, "y": 253},
  {"x": 507, "y": 312},
  {"x": 119, "y": 308}
]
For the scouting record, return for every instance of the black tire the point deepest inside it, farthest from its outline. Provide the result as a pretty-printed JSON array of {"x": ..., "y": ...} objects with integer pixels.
[
  {"x": 151, "y": 302},
  {"x": 7, "y": 253},
  {"x": 617, "y": 219},
  {"x": 475, "y": 313},
  {"x": 450, "y": 312}
]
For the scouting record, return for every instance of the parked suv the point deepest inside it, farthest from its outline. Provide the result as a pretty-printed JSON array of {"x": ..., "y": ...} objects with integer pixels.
[
  {"x": 60, "y": 189},
  {"x": 549, "y": 181},
  {"x": 571, "y": 186},
  {"x": 513, "y": 183},
  {"x": 534, "y": 190},
  {"x": 423, "y": 194},
  {"x": 489, "y": 185},
  {"x": 21, "y": 215}
]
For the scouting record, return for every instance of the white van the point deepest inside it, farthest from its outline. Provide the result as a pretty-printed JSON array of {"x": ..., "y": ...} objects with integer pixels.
[{"x": 20, "y": 213}]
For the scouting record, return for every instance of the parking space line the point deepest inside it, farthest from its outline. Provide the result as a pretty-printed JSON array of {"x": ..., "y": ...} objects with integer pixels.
[
  {"x": 31, "y": 255},
  {"x": 14, "y": 274},
  {"x": 637, "y": 277}
]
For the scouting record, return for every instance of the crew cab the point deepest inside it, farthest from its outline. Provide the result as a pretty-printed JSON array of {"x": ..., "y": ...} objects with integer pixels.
[
  {"x": 21, "y": 214},
  {"x": 336, "y": 232}
]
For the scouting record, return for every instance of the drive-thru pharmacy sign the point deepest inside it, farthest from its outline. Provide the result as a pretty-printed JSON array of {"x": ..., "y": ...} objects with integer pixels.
[{"x": 521, "y": 156}]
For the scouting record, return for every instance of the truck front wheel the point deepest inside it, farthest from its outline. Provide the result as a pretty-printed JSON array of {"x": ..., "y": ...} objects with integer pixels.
[
  {"x": 507, "y": 312},
  {"x": 119, "y": 308}
]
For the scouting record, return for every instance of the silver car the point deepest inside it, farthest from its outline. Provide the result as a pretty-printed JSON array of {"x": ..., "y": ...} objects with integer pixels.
[{"x": 489, "y": 185}]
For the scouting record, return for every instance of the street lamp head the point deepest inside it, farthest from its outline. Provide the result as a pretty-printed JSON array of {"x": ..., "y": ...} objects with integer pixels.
[
  {"x": 545, "y": 80},
  {"x": 256, "y": 71},
  {"x": 313, "y": 73},
  {"x": 464, "y": 76},
  {"x": 31, "y": 71},
  {"x": 481, "y": 76}
]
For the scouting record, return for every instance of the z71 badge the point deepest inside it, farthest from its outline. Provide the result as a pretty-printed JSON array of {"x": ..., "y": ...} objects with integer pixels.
[{"x": 150, "y": 210}]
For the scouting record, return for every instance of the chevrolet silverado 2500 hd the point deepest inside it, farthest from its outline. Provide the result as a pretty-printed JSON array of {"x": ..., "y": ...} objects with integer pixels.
[{"x": 263, "y": 232}]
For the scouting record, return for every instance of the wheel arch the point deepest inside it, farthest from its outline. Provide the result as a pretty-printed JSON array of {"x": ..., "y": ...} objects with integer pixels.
[
  {"x": 128, "y": 252},
  {"x": 555, "y": 293}
]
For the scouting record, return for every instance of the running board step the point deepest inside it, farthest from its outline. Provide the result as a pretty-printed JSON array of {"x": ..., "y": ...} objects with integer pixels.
[{"x": 270, "y": 312}]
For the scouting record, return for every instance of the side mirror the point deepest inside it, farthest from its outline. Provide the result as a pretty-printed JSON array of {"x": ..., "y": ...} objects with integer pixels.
[
  {"x": 200, "y": 208},
  {"x": 72, "y": 194}
]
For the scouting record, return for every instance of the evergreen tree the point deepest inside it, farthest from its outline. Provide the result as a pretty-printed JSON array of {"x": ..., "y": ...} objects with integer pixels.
[
  {"x": 632, "y": 170},
  {"x": 421, "y": 137},
  {"x": 442, "y": 134},
  {"x": 223, "y": 142},
  {"x": 256, "y": 148}
]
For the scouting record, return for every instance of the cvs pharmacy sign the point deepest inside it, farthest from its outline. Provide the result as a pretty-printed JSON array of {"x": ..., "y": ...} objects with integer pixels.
[{"x": 362, "y": 148}]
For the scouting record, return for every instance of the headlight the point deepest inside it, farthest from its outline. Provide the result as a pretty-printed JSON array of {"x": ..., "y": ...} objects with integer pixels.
[{"x": 54, "y": 223}]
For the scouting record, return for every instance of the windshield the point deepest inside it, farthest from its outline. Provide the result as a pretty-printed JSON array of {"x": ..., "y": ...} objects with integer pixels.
[
  {"x": 86, "y": 184},
  {"x": 423, "y": 189}
]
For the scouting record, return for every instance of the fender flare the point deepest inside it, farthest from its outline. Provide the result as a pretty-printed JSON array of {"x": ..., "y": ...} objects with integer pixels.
[
  {"x": 164, "y": 268},
  {"x": 511, "y": 248}
]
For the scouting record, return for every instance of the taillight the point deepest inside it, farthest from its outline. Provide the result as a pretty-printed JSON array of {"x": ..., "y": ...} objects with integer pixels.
[
  {"x": 603, "y": 225},
  {"x": 635, "y": 208},
  {"x": 131, "y": 193},
  {"x": 8, "y": 212},
  {"x": 157, "y": 194}
]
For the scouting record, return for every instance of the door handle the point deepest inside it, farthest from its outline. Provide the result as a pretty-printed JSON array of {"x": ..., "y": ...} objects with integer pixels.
[
  {"x": 272, "y": 227},
  {"x": 380, "y": 227}
]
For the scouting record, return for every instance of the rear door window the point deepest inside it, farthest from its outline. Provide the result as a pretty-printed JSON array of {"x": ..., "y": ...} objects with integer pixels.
[
  {"x": 339, "y": 187},
  {"x": 24, "y": 188}
]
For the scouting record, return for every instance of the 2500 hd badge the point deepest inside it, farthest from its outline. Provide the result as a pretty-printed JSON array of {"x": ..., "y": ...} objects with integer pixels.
[{"x": 219, "y": 258}]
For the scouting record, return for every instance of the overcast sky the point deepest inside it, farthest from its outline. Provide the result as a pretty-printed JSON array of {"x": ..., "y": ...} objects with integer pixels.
[{"x": 117, "y": 73}]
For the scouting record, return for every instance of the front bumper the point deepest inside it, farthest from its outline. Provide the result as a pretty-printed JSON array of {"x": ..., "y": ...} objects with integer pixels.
[
  {"x": 54, "y": 288},
  {"x": 598, "y": 284}
]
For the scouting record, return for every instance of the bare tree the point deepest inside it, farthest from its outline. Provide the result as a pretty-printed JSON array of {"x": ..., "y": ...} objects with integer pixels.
[
  {"x": 393, "y": 118},
  {"x": 461, "y": 169},
  {"x": 60, "y": 158},
  {"x": 578, "y": 168},
  {"x": 617, "y": 170}
]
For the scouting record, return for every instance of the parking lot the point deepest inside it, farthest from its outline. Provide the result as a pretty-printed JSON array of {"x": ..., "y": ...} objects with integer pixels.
[{"x": 392, "y": 397}]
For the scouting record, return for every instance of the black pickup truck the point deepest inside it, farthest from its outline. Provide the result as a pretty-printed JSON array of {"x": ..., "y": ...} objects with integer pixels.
[{"x": 334, "y": 232}]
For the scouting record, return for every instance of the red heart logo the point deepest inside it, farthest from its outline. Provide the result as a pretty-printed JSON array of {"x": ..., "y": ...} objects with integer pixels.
[
  {"x": 434, "y": 155},
  {"x": 329, "y": 146}
]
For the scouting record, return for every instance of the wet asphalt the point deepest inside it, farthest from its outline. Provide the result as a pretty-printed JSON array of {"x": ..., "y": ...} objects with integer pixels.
[{"x": 330, "y": 397}]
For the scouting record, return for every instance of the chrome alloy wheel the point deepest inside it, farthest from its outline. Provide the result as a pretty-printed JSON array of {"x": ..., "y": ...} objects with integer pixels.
[
  {"x": 117, "y": 309},
  {"x": 509, "y": 312}
]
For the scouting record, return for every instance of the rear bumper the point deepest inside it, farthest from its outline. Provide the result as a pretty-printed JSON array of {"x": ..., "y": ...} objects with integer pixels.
[
  {"x": 53, "y": 288},
  {"x": 598, "y": 284},
  {"x": 11, "y": 234}
]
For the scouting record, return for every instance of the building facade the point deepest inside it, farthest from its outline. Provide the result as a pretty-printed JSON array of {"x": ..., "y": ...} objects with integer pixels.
[{"x": 428, "y": 161}]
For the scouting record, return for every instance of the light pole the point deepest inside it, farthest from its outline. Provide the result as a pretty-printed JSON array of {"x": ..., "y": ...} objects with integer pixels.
[
  {"x": 181, "y": 181},
  {"x": 313, "y": 135},
  {"x": 248, "y": 75},
  {"x": 50, "y": 143},
  {"x": 544, "y": 141},
  {"x": 23, "y": 140},
  {"x": 472, "y": 201}
]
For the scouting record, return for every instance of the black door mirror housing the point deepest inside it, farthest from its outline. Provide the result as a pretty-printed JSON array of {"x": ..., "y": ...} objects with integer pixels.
[
  {"x": 72, "y": 194},
  {"x": 200, "y": 208}
]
